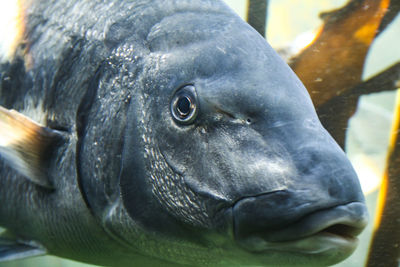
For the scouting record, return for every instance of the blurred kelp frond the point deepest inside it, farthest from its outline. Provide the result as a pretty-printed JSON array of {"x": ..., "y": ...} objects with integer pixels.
[
  {"x": 332, "y": 65},
  {"x": 385, "y": 244},
  {"x": 384, "y": 248},
  {"x": 391, "y": 13},
  {"x": 339, "y": 50},
  {"x": 257, "y": 11}
]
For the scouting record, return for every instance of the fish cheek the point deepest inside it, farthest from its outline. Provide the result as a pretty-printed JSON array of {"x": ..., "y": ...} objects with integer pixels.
[
  {"x": 224, "y": 161},
  {"x": 148, "y": 178}
]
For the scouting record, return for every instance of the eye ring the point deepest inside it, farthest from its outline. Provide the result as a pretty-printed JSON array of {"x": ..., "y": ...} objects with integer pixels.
[{"x": 184, "y": 105}]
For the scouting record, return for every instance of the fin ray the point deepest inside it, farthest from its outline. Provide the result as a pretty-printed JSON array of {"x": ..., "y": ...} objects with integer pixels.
[
  {"x": 13, "y": 249},
  {"x": 24, "y": 144}
]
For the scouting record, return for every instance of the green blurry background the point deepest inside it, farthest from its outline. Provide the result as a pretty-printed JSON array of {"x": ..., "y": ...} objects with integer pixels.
[{"x": 368, "y": 132}]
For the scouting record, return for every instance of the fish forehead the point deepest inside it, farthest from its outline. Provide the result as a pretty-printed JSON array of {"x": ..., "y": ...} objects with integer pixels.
[
  {"x": 234, "y": 68},
  {"x": 187, "y": 28}
]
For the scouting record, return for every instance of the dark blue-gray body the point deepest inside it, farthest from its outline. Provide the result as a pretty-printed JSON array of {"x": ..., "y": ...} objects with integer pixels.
[{"x": 178, "y": 136}]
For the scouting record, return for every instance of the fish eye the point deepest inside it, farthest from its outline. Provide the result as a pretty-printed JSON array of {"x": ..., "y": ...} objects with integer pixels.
[{"x": 184, "y": 106}]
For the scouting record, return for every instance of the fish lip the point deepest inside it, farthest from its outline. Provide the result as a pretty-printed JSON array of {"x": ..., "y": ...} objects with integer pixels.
[
  {"x": 318, "y": 243},
  {"x": 332, "y": 229}
]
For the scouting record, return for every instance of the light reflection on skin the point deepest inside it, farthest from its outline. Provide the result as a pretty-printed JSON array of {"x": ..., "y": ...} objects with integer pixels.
[{"x": 11, "y": 27}]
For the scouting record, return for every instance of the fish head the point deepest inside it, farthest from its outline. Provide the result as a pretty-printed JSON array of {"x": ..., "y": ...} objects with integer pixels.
[{"x": 224, "y": 151}]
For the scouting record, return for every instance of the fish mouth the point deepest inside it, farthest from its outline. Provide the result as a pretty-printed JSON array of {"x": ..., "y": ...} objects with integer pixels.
[{"x": 327, "y": 231}]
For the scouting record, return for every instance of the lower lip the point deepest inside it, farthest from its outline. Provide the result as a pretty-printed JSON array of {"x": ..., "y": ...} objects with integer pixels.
[{"x": 322, "y": 242}]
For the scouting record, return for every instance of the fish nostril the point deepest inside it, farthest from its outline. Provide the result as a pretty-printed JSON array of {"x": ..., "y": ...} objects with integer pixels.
[{"x": 310, "y": 160}]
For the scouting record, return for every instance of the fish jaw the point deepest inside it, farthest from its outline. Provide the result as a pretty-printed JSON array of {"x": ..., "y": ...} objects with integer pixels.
[{"x": 330, "y": 233}]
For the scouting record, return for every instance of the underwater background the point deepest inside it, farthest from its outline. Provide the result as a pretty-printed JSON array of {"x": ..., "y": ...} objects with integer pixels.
[{"x": 293, "y": 23}]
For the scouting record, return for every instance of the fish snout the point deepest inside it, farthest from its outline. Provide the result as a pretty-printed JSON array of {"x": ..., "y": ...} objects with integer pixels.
[{"x": 274, "y": 222}]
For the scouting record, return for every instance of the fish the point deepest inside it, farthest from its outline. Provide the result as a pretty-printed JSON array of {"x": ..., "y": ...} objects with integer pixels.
[{"x": 164, "y": 133}]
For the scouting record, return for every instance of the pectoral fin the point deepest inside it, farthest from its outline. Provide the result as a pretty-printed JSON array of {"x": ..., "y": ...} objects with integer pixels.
[
  {"x": 13, "y": 249},
  {"x": 25, "y": 145}
]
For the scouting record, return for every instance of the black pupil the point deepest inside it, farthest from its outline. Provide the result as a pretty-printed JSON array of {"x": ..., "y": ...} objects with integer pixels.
[{"x": 183, "y": 105}]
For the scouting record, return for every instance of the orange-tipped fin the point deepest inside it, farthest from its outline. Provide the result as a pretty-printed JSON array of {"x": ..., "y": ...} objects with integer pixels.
[{"x": 25, "y": 144}]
